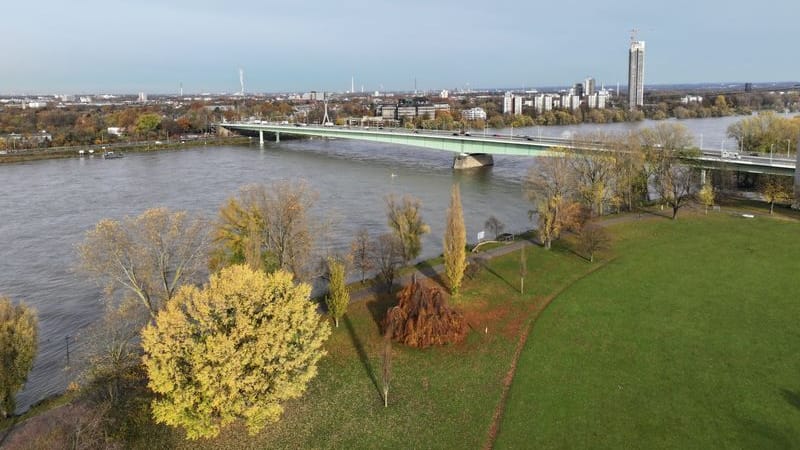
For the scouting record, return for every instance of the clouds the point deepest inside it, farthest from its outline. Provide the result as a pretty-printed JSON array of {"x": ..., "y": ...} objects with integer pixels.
[{"x": 90, "y": 45}]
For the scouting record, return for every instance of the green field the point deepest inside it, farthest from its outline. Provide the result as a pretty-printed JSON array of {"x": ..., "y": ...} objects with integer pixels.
[{"x": 689, "y": 339}]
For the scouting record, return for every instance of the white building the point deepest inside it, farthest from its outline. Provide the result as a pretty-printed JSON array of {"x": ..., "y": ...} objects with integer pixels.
[
  {"x": 142, "y": 97},
  {"x": 115, "y": 131},
  {"x": 444, "y": 94},
  {"x": 473, "y": 114},
  {"x": 517, "y": 105},
  {"x": 508, "y": 103},
  {"x": 543, "y": 102},
  {"x": 691, "y": 99}
]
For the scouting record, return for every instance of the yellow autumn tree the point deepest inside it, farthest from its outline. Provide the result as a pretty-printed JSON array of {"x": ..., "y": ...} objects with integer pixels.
[
  {"x": 235, "y": 349},
  {"x": 455, "y": 241},
  {"x": 18, "y": 342}
]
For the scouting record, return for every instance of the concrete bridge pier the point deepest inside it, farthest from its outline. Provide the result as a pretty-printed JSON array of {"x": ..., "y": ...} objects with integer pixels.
[
  {"x": 277, "y": 138},
  {"x": 472, "y": 160},
  {"x": 261, "y": 137},
  {"x": 702, "y": 177}
]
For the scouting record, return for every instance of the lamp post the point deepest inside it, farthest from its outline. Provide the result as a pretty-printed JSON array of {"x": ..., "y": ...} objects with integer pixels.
[
  {"x": 770, "y": 152},
  {"x": 787, "y": 147}
]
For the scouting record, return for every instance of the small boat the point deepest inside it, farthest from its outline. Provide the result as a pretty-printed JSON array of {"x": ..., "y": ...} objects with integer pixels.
[{"x": 112, "y": 155}]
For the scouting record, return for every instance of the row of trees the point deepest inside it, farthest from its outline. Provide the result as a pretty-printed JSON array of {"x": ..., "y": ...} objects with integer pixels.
[
  {"x": 766, "y": 132},
  {"x": 567, "y": 191}
]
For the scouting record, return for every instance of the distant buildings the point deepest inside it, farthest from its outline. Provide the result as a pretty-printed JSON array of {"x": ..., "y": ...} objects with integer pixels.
[
  {"x": 512, "y": 104},
  {"x": 142, "y": 97},
  {"x": 411, "y": 109},
  {"x": 473, "y": 114},
  {"x": 636, "y": 74},
  {"x": 691, "y": 99},
  {"x": 589, "y": 86}
]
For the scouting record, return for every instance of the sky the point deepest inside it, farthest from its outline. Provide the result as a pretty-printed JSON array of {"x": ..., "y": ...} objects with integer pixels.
[{"x": 116, "y": 46}]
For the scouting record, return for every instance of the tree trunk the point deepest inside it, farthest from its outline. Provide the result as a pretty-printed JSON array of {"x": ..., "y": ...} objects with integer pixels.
[
  {"x": 521, "y": 284},
  {"x": 336, "y": 321},
  {"x": 771, "y": 207},
  {"x": 385, "y": 397},
  {"x": 674, "y": 212}
]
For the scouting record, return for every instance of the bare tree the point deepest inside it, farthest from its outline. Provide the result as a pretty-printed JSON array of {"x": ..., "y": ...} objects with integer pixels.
[
  {"x": 149, "y": 256},
  {"x": 267, "y": 227},
  {"x": 387, "y": 257},
  {"x": 667, "y": 156},
  {"x": 386, "y": 357},
  {"x": 549, "y": 186},
  {"x": 495, "y": 226},
  {"x": 523, "y": 268},
  {"x": 112, "y": 349},
  {"x": 360, "y": 251},
  {"x": 594, "y": 175},
  {"x": 405, "y": 220},
  {"x": 592, "y": 238}
]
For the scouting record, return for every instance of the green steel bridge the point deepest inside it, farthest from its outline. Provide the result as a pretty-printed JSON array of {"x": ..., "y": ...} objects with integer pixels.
[{"x": 476, "y": 149}]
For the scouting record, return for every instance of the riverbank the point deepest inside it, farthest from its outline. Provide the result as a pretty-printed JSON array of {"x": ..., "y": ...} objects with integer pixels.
[{"x": 125, "y": 147}]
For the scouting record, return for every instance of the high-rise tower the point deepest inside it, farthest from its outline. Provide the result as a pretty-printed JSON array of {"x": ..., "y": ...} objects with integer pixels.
[{"x": 636, "y": 73}]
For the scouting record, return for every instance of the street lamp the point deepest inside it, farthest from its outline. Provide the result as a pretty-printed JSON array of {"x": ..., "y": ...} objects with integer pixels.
[
  {"x": 770, "y": 152},
  {"x": 787, "y": 147}
]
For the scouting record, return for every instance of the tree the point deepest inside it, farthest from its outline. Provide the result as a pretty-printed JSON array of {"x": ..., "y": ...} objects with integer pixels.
[
  {"x": 149, "y": 256},
  {"x": 706, "y": 195},
  {"x": 360, "y": 251},
  {"x": 338, "y": 295},
  {"x": 235, "y": 349},
  {"x": 495, "y": 226},
  {"x": 775, "y": 189},
  {"x": 593, "y": 179},
  {"x": 113, "y": 351},
  {"x": 18, "y": 343},
  {"x": 591, "y": 239},
  {"x": 386, "y": 361},
  {"x": 422, "y": 318},
  {"x": 549, "y": 187},
  {"x": 523, "y": 268},
  {"x": 406, "y": 222},
  {"x": 267, "y": 227},
  {"x": 455, "y": 242},
  {"x": 667, "y": 156},
  {"x": 387, "y": 256},
  {"x": 147, "y": 123}
]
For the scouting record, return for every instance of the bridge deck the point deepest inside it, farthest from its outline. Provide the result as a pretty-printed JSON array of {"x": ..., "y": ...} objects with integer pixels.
[{"x": 503, "y": 145}]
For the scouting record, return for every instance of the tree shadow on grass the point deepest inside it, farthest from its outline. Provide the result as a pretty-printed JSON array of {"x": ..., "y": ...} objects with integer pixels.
[
  {"x": 429, "y": 271},
  {"x": 378, "y": 306},
  {"x": 362, "y": 354},
  {"x": 487, "y": 267},
  {"x": 793, "y": 398}
]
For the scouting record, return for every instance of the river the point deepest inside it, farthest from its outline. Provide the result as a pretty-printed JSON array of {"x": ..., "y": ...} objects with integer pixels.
[{"x": 47, "y": 206}]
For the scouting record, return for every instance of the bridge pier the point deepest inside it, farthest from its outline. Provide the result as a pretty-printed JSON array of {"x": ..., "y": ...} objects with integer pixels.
[
  {"x": 702, "y": 177},
  {"x": 277, "y": 138},
  {"x": 261, "y": 137},
  {"x": 472, "y": 160}
]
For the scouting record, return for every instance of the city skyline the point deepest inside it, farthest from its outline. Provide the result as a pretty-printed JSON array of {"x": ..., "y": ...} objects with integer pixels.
[{"x": 199, "y": 46}]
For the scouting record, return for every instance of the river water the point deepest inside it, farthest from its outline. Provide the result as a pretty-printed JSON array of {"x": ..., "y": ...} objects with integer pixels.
[{"x": 47, "y": 206}]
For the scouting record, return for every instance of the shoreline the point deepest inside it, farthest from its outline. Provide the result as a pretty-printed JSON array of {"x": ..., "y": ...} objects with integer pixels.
[{"x": 128, "y": 147}]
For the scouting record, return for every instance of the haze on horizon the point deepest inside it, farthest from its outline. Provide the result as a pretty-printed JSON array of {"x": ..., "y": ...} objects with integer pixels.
[{"x": 120, "y": 46}]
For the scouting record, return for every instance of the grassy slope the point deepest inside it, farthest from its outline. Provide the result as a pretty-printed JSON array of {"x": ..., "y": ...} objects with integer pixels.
[
  {"x": 439, "y": 398},
  {"x": 688, "y": 340}
]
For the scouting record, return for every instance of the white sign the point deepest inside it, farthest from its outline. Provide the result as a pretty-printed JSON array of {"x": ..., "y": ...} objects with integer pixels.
[{"x": 481, "y": 234}]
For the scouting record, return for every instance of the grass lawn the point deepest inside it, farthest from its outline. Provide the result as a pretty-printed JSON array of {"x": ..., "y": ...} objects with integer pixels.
[{"x": 688, "y": 339}]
